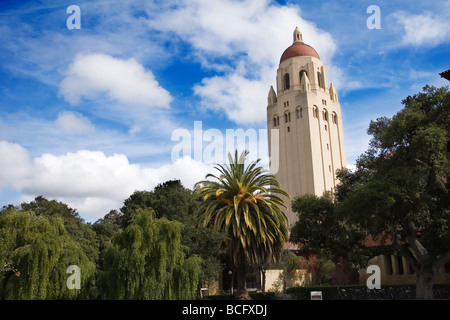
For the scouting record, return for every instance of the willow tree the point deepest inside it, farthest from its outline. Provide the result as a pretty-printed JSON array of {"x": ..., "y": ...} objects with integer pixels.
[
  {"x": 145, "y": 261},
  {"x": 244, "y": 203},
  {"x": 37, "y": 251}
]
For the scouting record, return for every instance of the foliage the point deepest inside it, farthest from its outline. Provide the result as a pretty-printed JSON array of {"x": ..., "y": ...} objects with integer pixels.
[
  {"x": 80, "y": 231},
  {"x": 105, "y": 228},
  {"x": 316, "y": 223},
  {"x": 171, "y": 200},
  {"x": 321, "y": 230},
  {"x": 319, "y": 266},
  {"x": 39, "y": 249},
  {"x": 289, "y": 262},
  {"x": 243, "y": 202},
  {"x": 146, "y": 261},
  {"x": 399, "y": 194}
]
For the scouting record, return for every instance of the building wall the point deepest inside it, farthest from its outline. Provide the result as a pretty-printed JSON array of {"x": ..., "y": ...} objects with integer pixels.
[
  {"x": 298, "y": 278},
  {"x": 396, "y": 270}
]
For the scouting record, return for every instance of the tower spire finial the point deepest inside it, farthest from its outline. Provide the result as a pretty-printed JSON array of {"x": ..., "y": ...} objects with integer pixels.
[{"x": 297, "y": 35}]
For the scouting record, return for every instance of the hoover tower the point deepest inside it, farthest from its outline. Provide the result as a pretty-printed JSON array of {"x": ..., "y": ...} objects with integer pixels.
[{"x": 307, "y": 114}]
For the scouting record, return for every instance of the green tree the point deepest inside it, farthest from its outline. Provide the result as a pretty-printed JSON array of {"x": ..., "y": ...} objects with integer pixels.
[
  {"x": 316, "y": 224},
  {"x": 80, "y": 231},
  {"x": 105, "y": 228},
  {"x": 319, "y": 230},
  {"x": 171, "y": 200},
  {"x": 37, "y": 251},
  {"x": 400, "y": 190},
  {"x": 146, "y": 261},
  {"x": 243, "y": 203},
  {"x": 138, "y": 200}
]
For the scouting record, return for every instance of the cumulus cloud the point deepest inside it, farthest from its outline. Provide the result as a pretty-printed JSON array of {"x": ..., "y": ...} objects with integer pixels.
[
  {"x": 249, "y": 35},
  {"x": 240, "y": 98},
  {"x": 89, "y": 181},
  {"x": 14, "y": 163},
  {"x": 125, "y": 81},
  {"x": 74, "y": 122},
  {"x": 424, "y": 29}
]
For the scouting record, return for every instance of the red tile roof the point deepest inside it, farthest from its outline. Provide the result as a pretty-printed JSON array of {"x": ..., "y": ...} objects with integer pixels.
[{"x": 299, "y": 49}]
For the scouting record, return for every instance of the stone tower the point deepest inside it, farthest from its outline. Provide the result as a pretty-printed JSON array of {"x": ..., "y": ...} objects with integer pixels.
[{"x": 307, "y": 114}]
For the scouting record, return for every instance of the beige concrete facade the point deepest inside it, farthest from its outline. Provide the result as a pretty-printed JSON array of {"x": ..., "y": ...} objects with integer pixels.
[
  {"x": 395, "y": 269},
  {"x": 297, "y": 278},
  {"x": 306, "y": 112}
]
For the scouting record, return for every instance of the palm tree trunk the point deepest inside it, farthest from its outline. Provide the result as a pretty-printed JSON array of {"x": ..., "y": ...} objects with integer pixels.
[{"x": 241, "y": 293}]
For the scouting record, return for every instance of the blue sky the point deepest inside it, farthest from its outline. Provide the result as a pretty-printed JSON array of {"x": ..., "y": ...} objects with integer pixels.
[{"x": 88, "y": 116}]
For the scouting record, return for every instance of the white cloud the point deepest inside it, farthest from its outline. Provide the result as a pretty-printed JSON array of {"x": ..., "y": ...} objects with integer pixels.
[
  {"x": 89, "y": 181},
  {"x": 14, "y": 163},
  {"x": 424, "y": 29},
  {"x": 125, "y": 81},
  {"x": 74, "y": 122},
  {"x": 242, "y": 99},
  {"x": 250, "y": 36}
]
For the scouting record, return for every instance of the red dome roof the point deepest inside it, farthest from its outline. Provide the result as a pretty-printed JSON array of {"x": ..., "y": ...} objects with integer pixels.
[{"x": 298, "y": 49}]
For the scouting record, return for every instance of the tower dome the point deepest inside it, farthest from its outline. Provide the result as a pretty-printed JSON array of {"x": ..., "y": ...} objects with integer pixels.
[{"x": 298, "y": 48}]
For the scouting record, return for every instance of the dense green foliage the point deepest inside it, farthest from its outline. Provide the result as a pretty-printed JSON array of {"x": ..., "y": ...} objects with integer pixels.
[
  {"x": 244, "y": 203},
  {"x": 174, "y": 202},
  {"x": 39, "y": 250},
  {"x": 399, "y": 193},
  {"x": 41, "y": 238},
  {"x": 146, "y": 261}
]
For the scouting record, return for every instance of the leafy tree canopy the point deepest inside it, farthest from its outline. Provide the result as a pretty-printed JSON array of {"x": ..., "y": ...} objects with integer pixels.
[
  {"x": 399, "y": 195},
  {"x": 38, "y": 250},
  {"x": 243, "y": 202},
  {"x": 171, "y": 200},
  {"x": 146, "y": 261}
]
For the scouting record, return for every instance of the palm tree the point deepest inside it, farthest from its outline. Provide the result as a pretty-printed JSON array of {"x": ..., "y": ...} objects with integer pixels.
[{"x": 243, "y": 203}]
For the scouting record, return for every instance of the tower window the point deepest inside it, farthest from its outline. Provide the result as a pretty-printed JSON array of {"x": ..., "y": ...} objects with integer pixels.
[
  {"x": 276, "y": 121},
  {"x": 325, "y": 115},
  {"x": 287, "y": 117},
  {"x": 286, "y": 83},
  {"x": 324, "y": 102},
  {"x": 303, "y": 72},
  {"x": 315, "y": 112},
  {"x": 334, "y": 118},
  {"x": 326, "y": 128},
  {"x": 289, "y": 129},
  {"x": 319, "y": 79},
  {"x": 299, "y": 113}
]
